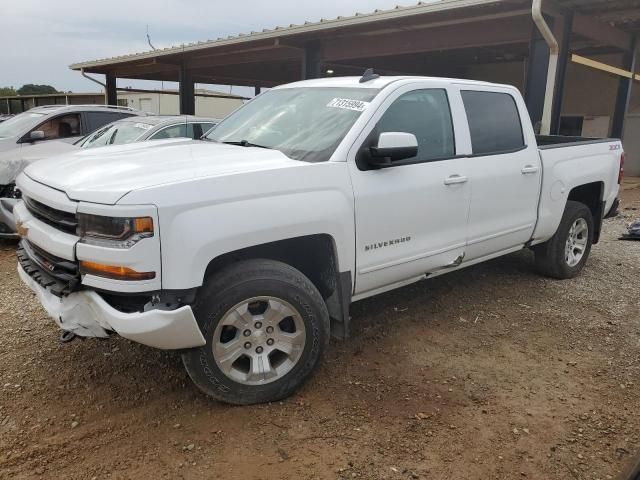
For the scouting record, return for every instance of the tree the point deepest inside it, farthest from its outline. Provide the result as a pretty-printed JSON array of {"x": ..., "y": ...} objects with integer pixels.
[
  {"x": 7, "y": 91},
  {"x": 31, "y": 89}
]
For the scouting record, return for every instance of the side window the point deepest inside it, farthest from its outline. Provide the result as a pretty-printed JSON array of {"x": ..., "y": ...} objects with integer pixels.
[
  {"x": 494, "y": 122},
  {"x": 175, "y": 131},
  {"x": 204, "y": 128},
  {"x": 426, "y": 114},
  {"x": 64, "y": 126},
  {"x": 96, "y": 120}
]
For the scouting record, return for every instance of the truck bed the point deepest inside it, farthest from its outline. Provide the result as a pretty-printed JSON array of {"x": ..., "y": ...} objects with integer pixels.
[
  {"x": 558, "y": 141},
  {"x": 590, "y": 163}
]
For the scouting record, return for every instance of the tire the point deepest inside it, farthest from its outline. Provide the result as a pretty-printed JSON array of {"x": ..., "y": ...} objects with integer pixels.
[
  {"x": 280, "y": 320},
  {"x": 553, "y": 258}
]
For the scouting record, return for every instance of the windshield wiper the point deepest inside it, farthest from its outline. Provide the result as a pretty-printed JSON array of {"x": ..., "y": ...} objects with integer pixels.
[{"x": 246, "y": 143}]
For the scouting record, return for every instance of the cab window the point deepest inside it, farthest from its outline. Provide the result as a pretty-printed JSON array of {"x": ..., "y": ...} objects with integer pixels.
[
  {"x": 427, "y": 115},
  {"x": 494, "y": 122}
]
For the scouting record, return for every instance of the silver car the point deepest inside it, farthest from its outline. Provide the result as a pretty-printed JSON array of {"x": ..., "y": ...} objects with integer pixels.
[
  {"x": 148, "y": 128},
  {"x": 126, "y": 130}
]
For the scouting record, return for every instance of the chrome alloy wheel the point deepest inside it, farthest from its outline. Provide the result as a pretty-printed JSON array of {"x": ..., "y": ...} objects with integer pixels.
[
  {"x": 576, "y": 242},
  {"x": 259, "y": 340}
]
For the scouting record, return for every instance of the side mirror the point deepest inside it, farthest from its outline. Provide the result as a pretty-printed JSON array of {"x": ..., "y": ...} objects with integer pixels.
[
  {"x": 392, "y": 147},
  {"x": 36, "y": 135}
]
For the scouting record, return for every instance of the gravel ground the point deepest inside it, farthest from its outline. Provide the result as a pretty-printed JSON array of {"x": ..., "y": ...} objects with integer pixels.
[{"x": 490, "y": 372}]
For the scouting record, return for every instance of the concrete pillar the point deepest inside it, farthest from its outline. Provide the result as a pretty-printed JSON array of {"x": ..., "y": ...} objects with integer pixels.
[
  {"x": 110, "y": 89},
  {"x": 564, "y": 40},
  {"x": 187, "y": 92},
  {"x": 536, "y": 82},
  {"x": 625, "y": 85},
  {"x": 312, "y": 61}
]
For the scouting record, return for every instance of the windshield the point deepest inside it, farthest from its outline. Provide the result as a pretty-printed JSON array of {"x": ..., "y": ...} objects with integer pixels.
[
  {"x": 19, "y": 124},
  {"x": 117, "y": 133},
  {"x": 305, "y": 124}
]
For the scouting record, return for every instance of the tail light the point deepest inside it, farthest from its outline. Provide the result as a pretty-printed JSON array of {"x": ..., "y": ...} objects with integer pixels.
[{"x": 621, "y": 173}]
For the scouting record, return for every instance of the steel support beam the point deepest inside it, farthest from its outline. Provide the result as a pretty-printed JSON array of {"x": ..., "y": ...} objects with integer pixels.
[
  {"x": 536, "y": 82},
  {"x": 111, "y": 94},
  {"x": 311, "y": 61},
  {"x": 563, "y": 61},
  {"x": 625, "y": 86},
  {"x": 187, "y": 92}
]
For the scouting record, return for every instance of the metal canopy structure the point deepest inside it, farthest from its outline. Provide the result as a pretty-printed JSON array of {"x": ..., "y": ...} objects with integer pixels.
[{"x": 439, "y": 38}]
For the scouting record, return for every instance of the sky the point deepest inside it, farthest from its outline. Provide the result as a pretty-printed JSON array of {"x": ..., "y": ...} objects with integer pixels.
[{"x": 42, "y": 38}]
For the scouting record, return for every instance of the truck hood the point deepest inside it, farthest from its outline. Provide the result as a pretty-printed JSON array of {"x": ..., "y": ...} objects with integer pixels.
[{"x": 105, "y": 175}]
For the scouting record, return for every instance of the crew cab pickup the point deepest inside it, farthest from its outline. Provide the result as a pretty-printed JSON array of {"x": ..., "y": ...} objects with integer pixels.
[{"x": 244, "y": 251}]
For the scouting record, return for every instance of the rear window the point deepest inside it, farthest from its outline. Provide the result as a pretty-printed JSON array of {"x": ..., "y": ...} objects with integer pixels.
[{"x": 494, "y": 122}]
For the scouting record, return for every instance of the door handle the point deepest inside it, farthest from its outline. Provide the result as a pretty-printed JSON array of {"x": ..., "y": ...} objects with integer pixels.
[
  {"x": 455, "y": 179},
  {"x": 529, "y": 169}
]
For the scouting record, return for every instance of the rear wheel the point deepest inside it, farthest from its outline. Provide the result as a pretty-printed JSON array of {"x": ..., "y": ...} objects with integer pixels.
[
  {"x": 265, "y": 325},
  {"x": 566, "y": 253}
]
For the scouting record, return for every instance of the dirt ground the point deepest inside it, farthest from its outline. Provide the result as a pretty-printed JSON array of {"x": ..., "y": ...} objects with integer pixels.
[{"x": 488, "y": 373}]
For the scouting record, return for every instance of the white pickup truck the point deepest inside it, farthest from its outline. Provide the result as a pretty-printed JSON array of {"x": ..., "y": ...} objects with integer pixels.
[{"x": 245, "y": 251}]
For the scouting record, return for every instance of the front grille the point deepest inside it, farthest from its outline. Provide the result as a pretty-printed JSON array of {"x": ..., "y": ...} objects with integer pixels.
[
  {"x": 65, "y": 221},
  {"x": 62, "y": 276}
]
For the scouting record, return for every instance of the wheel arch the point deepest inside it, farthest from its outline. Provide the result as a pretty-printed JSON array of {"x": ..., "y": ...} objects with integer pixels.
[
  {"x": 591, "y": 195},
  {"x": 316, "y": 256}
]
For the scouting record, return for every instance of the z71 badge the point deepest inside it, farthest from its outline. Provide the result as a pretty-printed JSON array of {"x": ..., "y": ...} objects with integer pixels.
[{"x": 388, "y": 243}]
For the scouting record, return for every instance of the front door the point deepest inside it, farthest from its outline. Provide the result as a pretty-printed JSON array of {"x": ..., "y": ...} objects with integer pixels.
[{"x": 411, "y": 217}]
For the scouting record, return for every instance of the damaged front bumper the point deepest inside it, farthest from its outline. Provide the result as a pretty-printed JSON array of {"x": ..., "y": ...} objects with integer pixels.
[
  {"x": 7, "y": 220},
  {"x": 87, "y": 314}
]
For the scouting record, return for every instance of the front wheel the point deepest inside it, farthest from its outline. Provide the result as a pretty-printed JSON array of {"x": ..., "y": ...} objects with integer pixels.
[
  {"x": 265, "y": 325},
  {"x": 566, "y": 253}
]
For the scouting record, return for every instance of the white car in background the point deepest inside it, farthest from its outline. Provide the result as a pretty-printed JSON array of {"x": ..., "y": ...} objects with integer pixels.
[
  {"x": 67, "y": 123},
  {"x": 120, "y": 132}
]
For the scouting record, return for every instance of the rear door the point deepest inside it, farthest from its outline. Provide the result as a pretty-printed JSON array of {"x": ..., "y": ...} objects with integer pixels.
[
  {"x": 505, "y": 171},
  {"x": 411, "y": 217}
]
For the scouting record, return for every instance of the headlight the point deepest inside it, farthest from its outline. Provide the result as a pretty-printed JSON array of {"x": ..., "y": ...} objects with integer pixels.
[{"x": 114, "y": 232}]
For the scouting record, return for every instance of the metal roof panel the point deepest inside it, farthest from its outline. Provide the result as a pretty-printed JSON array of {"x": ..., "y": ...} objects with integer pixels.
[{"x": 420, "y": 8}]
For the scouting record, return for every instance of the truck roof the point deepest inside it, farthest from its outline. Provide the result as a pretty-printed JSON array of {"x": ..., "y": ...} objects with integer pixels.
[{"x": 380, "y": 82}]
